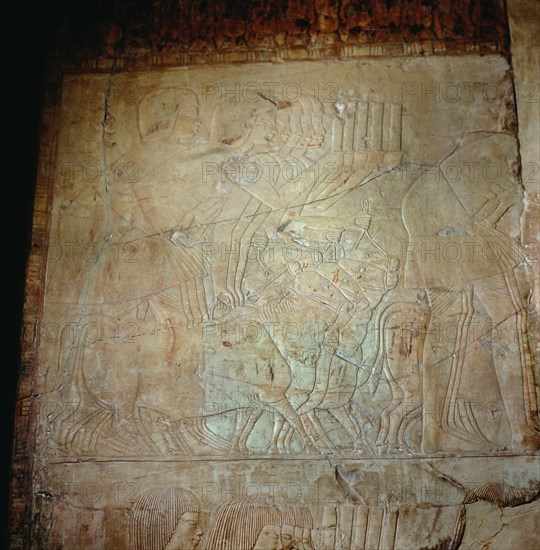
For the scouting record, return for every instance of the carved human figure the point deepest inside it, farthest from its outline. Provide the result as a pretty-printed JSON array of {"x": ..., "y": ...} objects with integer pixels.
[
  {"x": 166, "y": 519},
  {"x": 296, "y": 527},
  {"x": 169, "y": 267},
  {"x": 269, "y": 147},
  {"x": 331, "y": 290},
  {"x": 238, "y": 523},
  {"x": 243, "y": 133},
  {"x": 270, "y": 538},
  {"x": 163, "y": 287},
  {"x": 259, "y": 523},
  {"x": 302, "y": 538},
  {"x": 187, "y": 534},
  {"x": 401, "y": 330},
  {"x": 345, "y": 286},
  {"x": 458, "y": 252}
]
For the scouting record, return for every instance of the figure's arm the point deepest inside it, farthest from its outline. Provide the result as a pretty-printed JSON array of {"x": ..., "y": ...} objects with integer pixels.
[
  {"x": 494, "y": 209},
  {"x": 249, "y": 174}
]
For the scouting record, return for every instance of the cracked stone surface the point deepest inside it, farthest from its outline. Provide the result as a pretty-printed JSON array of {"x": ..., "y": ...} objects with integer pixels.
[{"x": 283, "y": 305}]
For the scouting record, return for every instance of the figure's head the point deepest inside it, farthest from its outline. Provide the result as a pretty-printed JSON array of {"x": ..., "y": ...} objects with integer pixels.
[
  {"x": 263, "y": 123},
  {"x": 307, "y": 541},
  {"x": 187, "y": 534},
  {"x": 287, "y": 537},
  {"x": 303, "y": 122},
  {"x": 245, "y": 125},
  {"x": 270, "y": 538},
  {"x": 169, "y": 113},
  {"x": 297, "y": 523},
  {"x": 166, "y": 519},
  {"x": 245, "y": 523}
]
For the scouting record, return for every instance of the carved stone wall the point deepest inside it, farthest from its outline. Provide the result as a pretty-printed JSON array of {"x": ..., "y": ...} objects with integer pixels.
[
  {"x": 144, "y": 27},
  {"x": 281, "y": 293}
]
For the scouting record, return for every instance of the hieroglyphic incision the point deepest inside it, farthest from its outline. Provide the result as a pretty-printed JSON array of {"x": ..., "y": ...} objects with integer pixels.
[{"x": 266, "y": 287}]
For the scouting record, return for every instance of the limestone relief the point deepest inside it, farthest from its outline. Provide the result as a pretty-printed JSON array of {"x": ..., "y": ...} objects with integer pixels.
[{"x": 286, "y": 306}]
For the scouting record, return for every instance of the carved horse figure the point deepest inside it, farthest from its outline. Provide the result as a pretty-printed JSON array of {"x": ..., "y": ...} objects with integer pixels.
[
  {"x": 400, "y": 333},
  {"x": 341, "y": 295},
  {"x": 252, "y": 370}
]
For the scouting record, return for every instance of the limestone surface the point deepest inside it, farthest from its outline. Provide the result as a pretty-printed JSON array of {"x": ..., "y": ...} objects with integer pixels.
[{"x": 287, "y": 306}]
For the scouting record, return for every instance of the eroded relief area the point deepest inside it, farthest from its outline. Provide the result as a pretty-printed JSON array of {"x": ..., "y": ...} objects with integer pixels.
[{"x": 267, "y": 286}]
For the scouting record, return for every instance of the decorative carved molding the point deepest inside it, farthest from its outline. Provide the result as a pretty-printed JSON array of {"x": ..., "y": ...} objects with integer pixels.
[{"x": 216, "y": 31}]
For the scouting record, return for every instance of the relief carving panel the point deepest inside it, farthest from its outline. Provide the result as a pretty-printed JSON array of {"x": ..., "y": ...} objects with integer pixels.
[{"x": 286, "y": 306}]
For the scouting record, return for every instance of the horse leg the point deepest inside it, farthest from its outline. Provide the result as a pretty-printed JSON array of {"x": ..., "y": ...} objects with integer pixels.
[
  {"x": 242, "y": 233},
  {"x": 403, "y": 357},
  {"x": 276, "y": 445},
  {"x": 240, "y": 425},
  {"x": 343, "y": 416},
  {"x": 284, "y": 432},
  {"x": 407, "y": 419},
  {"x": 248, "y": 428},
  {"x": 388, "y": 430},
  {"x": 404, "y": 394},
  {"x": 318, "y": 433},
  {"x": 285, "y": 408},
  {"x": 395, "y": 418},
  {"x": 284, "y": 437},
  {"x": 286, "y": 441}
]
